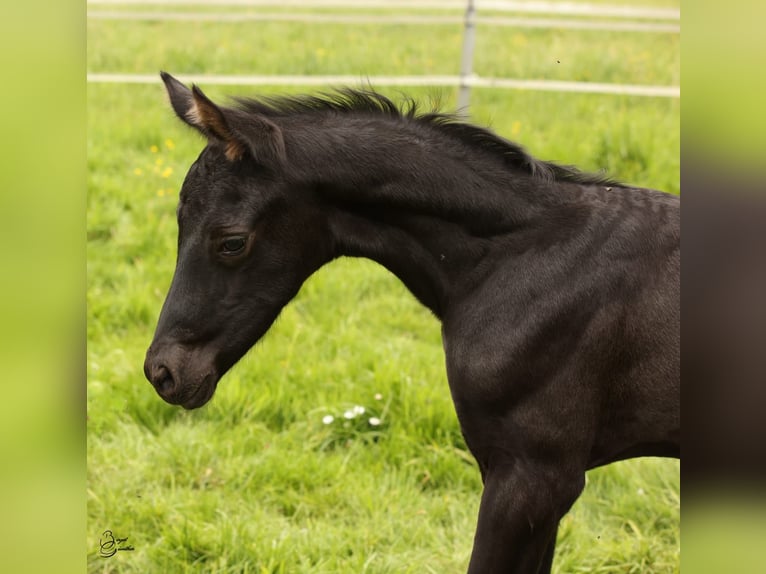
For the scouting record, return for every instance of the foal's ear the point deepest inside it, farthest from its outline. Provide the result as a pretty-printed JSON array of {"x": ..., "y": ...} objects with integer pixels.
[
  {"x": 240, "y": 135},
  {"x": 180, "y": 97},
  {"x": 194, "y": 108}
]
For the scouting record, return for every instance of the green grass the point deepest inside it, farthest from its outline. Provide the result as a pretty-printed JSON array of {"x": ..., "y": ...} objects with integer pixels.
[{"x": 254, "y": 481}]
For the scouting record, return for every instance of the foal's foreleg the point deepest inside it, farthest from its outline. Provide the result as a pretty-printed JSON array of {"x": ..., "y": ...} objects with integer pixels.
[
  {"x": 547, "y": 562},
  {"x": 518, "y": 518}
]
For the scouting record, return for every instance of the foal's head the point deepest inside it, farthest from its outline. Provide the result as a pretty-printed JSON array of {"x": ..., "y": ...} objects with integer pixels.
[{"x": 246, "y": 242}]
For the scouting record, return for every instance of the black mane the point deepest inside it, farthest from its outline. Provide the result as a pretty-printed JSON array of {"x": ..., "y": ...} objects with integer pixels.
[{"x": 356, "y": 101}]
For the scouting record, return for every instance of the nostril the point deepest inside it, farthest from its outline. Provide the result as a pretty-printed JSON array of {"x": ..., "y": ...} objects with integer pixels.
[{"x": 163, "y": 380}]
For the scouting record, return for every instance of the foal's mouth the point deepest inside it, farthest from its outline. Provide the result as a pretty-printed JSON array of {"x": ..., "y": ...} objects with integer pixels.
[
  {"x": 201, "y": 395},
  {"x": 190, "y": 397}
]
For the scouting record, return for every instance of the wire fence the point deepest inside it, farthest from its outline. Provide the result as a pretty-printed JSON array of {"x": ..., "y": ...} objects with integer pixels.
[{"x": 601, "y": 17}]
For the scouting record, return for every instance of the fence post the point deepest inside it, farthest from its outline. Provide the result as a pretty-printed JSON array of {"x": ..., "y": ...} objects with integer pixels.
[{"x": 466, "y": 62}]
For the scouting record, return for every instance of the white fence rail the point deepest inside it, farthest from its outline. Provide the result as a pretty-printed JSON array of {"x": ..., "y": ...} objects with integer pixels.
[
  {"x": 473, "y": 81},
  {"x": 409, "y": 20},
  {"x": 552, "y": 8}
]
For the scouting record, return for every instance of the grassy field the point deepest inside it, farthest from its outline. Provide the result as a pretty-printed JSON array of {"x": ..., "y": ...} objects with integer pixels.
[{"x": 256, "y": 481}]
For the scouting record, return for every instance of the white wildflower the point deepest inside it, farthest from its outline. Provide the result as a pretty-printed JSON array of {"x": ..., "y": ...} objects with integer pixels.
[
  {"x": 374, "y": 421},
  {"x": 349, "y": 415},
  {"x": 378, "y": 397},
  {"x": 327, "y": 419},
  {"x": 358, "y": 410}
]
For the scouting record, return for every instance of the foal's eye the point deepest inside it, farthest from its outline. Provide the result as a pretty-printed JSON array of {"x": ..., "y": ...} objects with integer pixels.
[{"x": 232, "y": 245}]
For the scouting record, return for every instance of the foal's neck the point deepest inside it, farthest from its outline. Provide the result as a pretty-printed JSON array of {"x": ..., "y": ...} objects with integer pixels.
[{"x": 424, "y": 205}]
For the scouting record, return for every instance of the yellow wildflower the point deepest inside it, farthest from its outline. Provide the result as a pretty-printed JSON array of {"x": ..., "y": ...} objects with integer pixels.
[
  {"x": 169, "y": 144},
  {"x": 154, "y": 149},
  {"x": 167, "y": 171},
  {"x": 138, "y": 171}
]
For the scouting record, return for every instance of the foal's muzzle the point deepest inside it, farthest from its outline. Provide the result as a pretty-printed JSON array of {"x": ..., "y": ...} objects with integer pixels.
[{"x": 180, "y": 377}]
